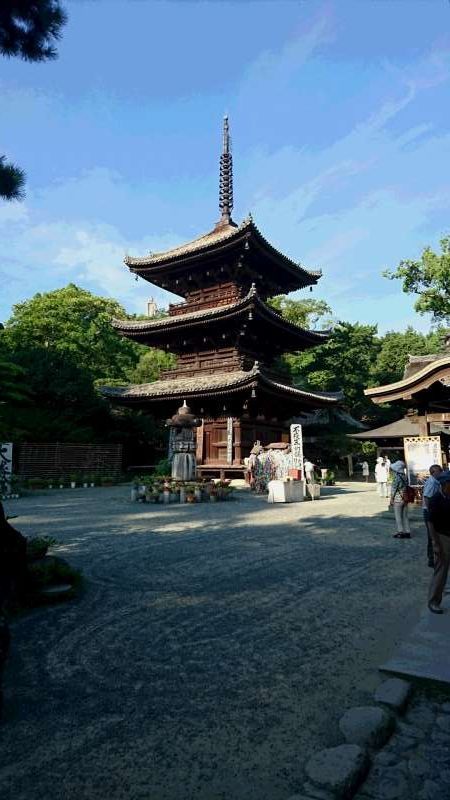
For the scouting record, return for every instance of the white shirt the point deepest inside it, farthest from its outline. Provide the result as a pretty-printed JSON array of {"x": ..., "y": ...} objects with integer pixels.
[
  {"x": 381, "y": 473},
  {"x": 365, "y": 468},
  {"x": 430, "y": 488},
  {"x": 309, "y": 467}
]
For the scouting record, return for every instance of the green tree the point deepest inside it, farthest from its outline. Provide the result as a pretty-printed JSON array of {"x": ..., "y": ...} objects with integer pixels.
[
  {"x": 344, "y": 362},
  {"x": 14, "y": 391},
  {"x": 306, "y": 313},
  {"x": 74, "y": 324},
  {"x": 396, "y": 347},
  {"x": 150, "y": 365},
  {"x": 429, "y": 277},
  {"x": 30, "y": 30}
]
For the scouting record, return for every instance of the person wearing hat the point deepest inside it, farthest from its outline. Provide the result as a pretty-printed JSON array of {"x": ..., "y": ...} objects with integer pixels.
[
  {"x": 439, "y": 527},
  {"x": 397, "y": 501}
]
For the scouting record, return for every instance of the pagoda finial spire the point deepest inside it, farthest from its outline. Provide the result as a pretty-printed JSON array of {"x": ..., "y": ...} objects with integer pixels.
[{"x": 226, "y": 177}]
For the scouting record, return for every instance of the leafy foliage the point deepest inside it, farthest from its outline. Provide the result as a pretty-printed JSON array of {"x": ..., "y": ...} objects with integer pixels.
[
  {"x": 429, "y": 277},
  {"x": 305, "y": 313},
  {"x": 396, "y": 347},
  {"x": 150, "y": 365},
  {"x": 31, "y": 30},
  {"x": 73, "y": 325},
  {"x": 343, "y": 362},
  {"x": 63, "y": 345},
  {"x": 12, "y": 181}
]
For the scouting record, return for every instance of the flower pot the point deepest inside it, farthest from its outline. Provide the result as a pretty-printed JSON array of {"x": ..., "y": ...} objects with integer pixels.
[
  {"x": 61, "y": 486},
  {"x": 212, "y": 498},
  {"x": 92, "y": 484},
  {"x": 182, "y": 494},
  {"x": 73, "y": 484},
  {"x": 198, "y": 495}
]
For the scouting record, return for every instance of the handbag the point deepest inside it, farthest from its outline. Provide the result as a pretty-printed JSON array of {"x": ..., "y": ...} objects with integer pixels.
[{"x": 408, "y": 494}]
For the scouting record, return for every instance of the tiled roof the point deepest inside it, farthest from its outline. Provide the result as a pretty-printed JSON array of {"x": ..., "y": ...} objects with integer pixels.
[
  {"x": 218, "y": 235},
  {"x": 213, "y": 237},
  {"x": 144, "y": 326},
  {"x": 434, "y": 370},
  {"x": 400, "y": 428},
  {"x": 210, "y": 384}
]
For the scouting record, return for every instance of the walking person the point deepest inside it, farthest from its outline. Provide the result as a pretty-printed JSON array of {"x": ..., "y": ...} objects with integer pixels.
[
  {"x": 365, "y": 471},
  {"x": 430, "y": 488},
  {"x": 398, "y": 501},
  {"x": 439, "y": 527},
  {"x": 381, "y": 476}
]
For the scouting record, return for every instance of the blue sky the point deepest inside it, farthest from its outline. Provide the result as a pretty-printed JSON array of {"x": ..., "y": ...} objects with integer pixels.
[{"x": 341, "y": 142}]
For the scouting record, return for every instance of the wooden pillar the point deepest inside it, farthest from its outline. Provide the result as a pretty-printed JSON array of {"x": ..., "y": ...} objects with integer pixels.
[
  {"x": 424, "y": 425},
  {"x": 199, "y": 448}
]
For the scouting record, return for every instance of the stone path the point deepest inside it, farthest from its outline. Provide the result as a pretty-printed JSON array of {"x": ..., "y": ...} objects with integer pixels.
[
  {"x": 214, "y": 649},
  {"x": 415, "y": 764}
]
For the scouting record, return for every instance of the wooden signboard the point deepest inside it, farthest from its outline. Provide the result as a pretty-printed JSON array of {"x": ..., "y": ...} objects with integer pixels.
[
  {"x": 297, "y": 446},
  {"x": 420, "y": 453}
]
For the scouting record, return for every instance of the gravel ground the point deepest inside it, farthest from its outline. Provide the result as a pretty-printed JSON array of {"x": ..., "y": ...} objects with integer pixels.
[{"x": 213, "y": 649}]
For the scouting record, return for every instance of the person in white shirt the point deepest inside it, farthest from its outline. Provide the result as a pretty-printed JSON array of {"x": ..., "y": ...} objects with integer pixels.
[
  {"x": 431, "y": 487},
  {"x": 309, "y": 471},
  {"x": 381, "y": 476}
]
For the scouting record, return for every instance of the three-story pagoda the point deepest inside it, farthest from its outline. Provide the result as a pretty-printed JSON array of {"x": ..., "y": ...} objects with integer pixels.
[{"x": 226, "y": 337}]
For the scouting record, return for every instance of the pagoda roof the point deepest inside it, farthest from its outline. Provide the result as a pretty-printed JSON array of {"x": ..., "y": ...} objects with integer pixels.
[
  {"x": 203, "y": 385},
  {"x": 434, "y": 371},
  {"x": 141, "y": 329},
  {"x": 158, "y": 267}
]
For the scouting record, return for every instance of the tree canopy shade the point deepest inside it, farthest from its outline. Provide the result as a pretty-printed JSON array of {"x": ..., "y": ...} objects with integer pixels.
[
  {"x": 30, "y": 29},
  {"x": 429, "y": 277}
]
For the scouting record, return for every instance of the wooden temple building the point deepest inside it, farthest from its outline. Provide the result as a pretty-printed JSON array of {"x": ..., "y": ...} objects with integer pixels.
[
  {"x": 424, "y": 388},
  {"x": 424, "y": 392},
  {"x": 226, "y": 337}
]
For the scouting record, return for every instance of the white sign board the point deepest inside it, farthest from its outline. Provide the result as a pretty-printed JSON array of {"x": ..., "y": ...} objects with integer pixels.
[
  {"x": 297, "y": 446},
  {"x": 420, "y": 453}
]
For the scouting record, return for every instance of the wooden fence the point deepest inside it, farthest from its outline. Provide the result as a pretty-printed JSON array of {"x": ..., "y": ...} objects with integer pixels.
[{"x": 60, "y": 459}]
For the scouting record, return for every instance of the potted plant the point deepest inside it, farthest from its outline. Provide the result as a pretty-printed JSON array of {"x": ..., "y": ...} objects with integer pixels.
[
  {"x": 330, "y": 477},
  {"x": 73, "y": 480},
  {"x": 190, "y": 493}
]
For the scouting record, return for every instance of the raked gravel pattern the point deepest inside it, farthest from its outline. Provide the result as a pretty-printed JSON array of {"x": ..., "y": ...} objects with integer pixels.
[{"x": 213, "y": 649}]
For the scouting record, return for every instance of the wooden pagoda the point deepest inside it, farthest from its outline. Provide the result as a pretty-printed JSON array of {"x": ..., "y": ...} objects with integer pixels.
[{"x": 226, "y": 337}]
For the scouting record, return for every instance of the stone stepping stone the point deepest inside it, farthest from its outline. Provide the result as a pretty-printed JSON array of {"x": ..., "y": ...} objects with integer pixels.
[
  {"x": 393, "y": 693},
  {"x": 367, "y": 726},
  {"x": 338, "y": 769}
]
